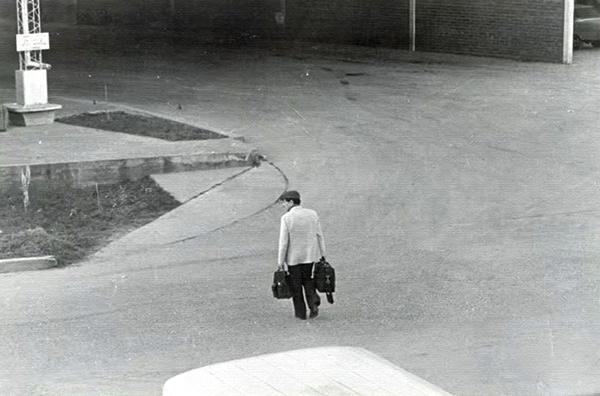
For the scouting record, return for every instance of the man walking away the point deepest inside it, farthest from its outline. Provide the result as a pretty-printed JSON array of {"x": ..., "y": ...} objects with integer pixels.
[{"x": 301, "y": 244}]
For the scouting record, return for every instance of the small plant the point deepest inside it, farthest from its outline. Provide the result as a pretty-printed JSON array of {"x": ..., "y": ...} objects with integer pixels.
[{"x": 25, "y": 180}]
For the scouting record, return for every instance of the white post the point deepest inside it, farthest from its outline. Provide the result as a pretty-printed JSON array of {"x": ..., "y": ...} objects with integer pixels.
[
  {"x": 568, "y": 32},
  {"x": 412, "y": 11}
]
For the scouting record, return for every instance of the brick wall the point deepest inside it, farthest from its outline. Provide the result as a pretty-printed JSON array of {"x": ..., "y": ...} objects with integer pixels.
[
  {"x": 8, "y": 9},
  {"x": 522, "y": 29},
  {"x": 228, "y": 18},
  {"x": 363, "y": 22}
]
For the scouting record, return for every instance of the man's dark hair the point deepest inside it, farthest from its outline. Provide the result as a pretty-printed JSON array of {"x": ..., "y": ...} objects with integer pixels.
[
  {"x": 296, "y": 201},
  {"x": 291, "y": 195}
]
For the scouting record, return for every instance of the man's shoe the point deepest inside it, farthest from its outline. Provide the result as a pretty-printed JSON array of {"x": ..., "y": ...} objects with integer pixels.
[
  {"x": 301, "y": 318},
  {"x": 314, "y": 312}
]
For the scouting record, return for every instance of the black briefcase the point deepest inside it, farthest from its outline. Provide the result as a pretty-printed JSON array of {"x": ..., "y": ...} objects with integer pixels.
[
  {"x": 324, "y": 276},
  {"x": 281, "y": 287}
]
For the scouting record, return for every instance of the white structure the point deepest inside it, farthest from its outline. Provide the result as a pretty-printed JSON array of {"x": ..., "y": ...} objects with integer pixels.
[
  {"x": 32, "y": 107},
  {"x": 331, "y": 371}
]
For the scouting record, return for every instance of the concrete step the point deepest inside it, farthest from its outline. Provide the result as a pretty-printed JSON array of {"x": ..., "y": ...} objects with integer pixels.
[{"x": 27, "y": 264}]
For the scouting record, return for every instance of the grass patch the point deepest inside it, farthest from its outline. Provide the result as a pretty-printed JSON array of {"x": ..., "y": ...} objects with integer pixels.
[
  {"x": 134, "y": 124},
  {"x": 71, "y": 223}
]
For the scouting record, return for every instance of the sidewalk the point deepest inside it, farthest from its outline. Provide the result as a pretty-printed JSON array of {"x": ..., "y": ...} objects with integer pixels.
[
  {"x": 243, "y": 194},
  {"x": 84, "y": 156},
  {"x": 215, "y": 180}
]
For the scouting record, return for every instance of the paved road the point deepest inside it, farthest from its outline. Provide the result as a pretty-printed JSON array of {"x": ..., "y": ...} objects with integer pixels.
[{"x": 459, "y": 198}]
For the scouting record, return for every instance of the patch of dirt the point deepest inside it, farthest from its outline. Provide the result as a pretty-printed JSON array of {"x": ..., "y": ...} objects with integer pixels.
[
  {"x": 141, "y": 125},
  {"x": 71, "y": 223}
]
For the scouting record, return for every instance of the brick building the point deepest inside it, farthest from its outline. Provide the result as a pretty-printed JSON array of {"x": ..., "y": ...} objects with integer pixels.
[{"x": 539, "y": 30}]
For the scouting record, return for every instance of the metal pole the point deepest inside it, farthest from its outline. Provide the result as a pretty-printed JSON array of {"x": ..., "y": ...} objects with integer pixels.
[
  {"x": 24, "y": 18},
  {"x": 412, "y": 10},
  {"x": 568, "y": 32},
  {"x": 23, "y": 28}
]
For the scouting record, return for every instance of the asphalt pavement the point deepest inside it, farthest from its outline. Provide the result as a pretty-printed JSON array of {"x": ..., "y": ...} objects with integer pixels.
[{"x": 459, "y": 201}]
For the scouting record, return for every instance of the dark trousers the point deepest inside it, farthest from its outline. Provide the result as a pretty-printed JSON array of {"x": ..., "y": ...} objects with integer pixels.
[{"x": 301, "y": 277}]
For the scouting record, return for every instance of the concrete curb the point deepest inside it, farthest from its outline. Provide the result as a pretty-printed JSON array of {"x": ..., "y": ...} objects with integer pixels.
[
  {"x": 27, "y": 264},
  {"x": 106, "y": 157},
  {"x": 85, "y": 173}
]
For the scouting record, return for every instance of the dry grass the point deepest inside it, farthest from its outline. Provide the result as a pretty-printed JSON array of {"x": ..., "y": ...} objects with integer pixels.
[{"x": 71, "y": 223}]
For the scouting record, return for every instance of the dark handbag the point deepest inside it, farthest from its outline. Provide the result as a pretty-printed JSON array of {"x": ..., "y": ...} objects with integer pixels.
[
  {"x": 281, "y": 287},
  {"x": 324, "y": 276}
]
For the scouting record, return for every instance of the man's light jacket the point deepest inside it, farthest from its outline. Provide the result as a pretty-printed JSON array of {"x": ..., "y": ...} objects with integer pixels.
[{"x": 300, "y": 237}]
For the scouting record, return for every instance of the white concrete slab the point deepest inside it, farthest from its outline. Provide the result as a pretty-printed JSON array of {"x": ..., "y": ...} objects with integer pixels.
[
  {"x": 237, "y": 198},
  {"x": 184, "y": 186},
  {"x": 58, "y": 143},
  {"x": 27, "y": 264},
  {"x": 328, "y": 371}
]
